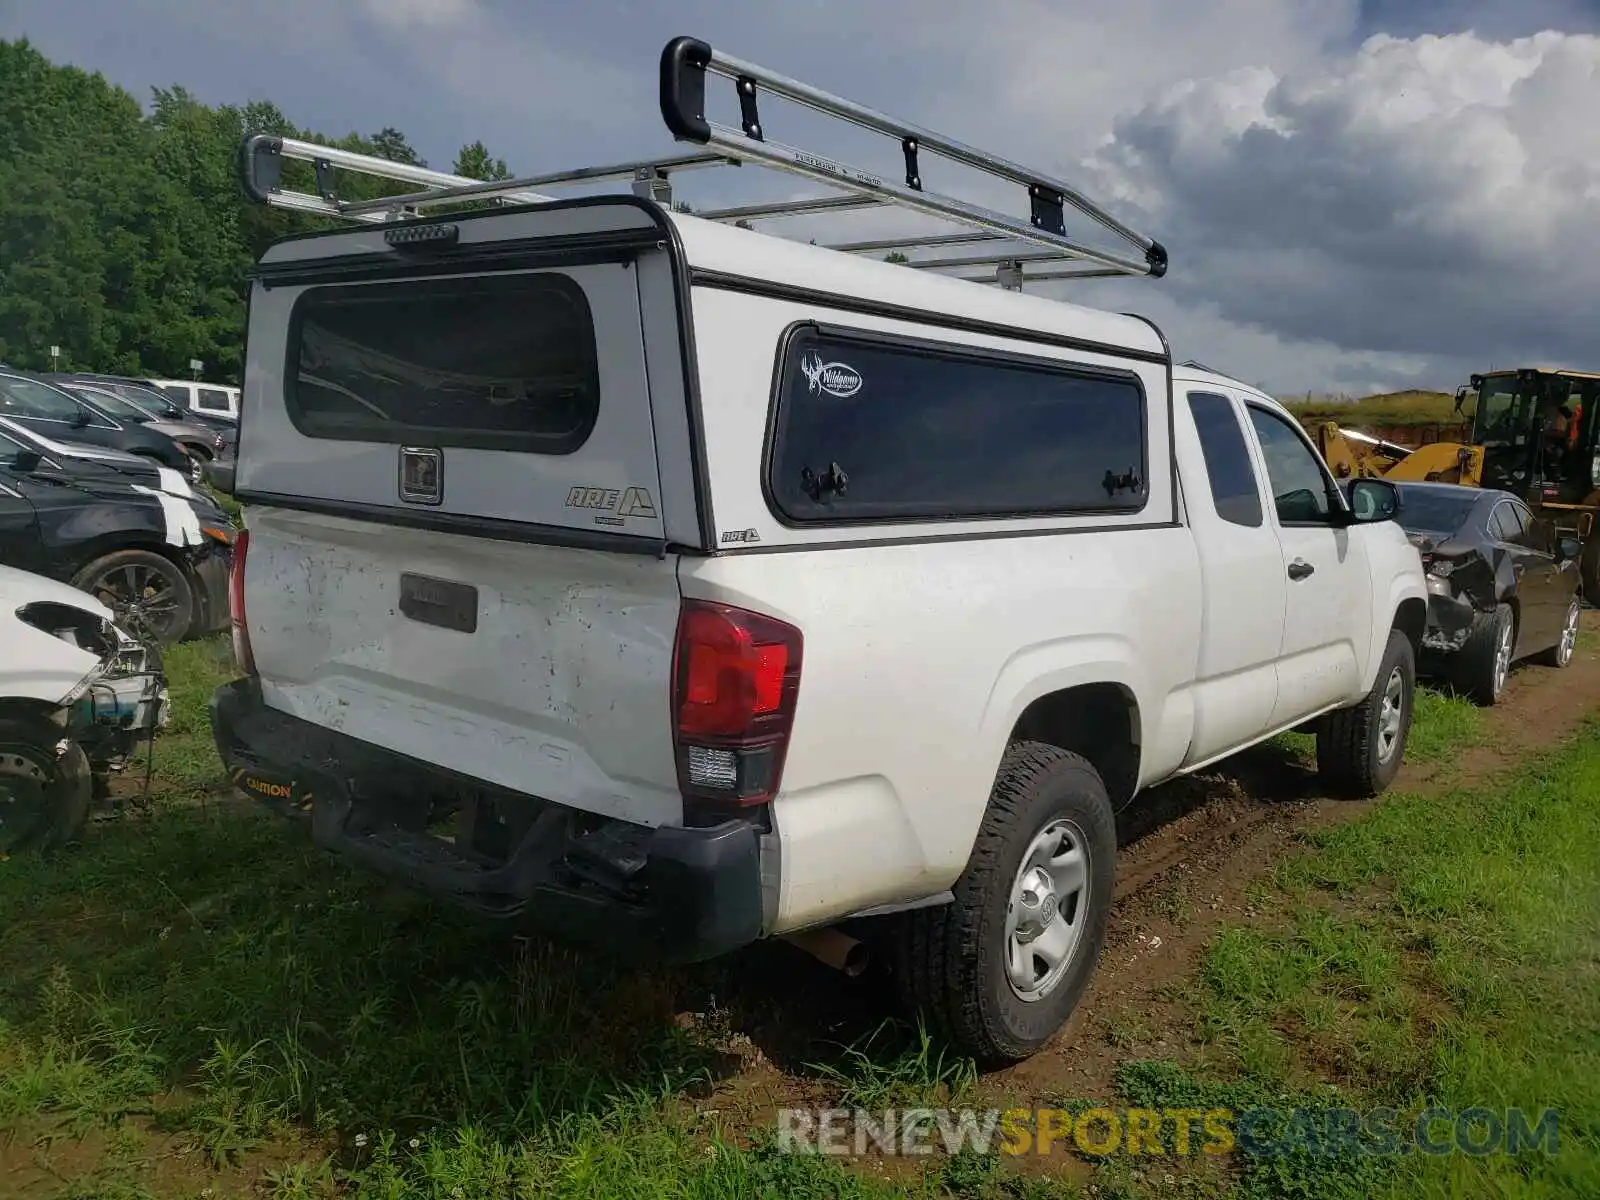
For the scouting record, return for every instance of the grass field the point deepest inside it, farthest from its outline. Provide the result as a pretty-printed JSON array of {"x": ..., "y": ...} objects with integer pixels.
[
  {"x": 196, "y": 1004},
  {"x": 1389, "y": 409}
]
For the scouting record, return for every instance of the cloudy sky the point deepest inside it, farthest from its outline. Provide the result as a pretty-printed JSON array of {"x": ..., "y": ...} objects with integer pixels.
[{"x": 1356, "y": 194}]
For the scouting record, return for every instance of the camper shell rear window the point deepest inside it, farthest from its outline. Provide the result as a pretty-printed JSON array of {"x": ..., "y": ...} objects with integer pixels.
[{"x": 501, "y": 362}]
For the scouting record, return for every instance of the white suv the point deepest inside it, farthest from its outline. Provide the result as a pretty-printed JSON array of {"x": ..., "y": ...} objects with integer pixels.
[{"x": 669, "y": 586}]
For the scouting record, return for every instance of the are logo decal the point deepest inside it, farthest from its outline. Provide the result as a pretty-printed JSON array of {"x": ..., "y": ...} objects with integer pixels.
[
  {"x": 836, "y": 378},
  {"x": 614, "y": 505}
]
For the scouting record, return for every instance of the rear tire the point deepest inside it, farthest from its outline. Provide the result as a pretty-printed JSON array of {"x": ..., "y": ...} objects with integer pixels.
[
  {"x": 1360, "y": 749},
  {"x": 1483, "y": 664},
  {"x": 1560, "y": 655},
  {"x": 998, "y": 971},
  {"x": 45, "y": 786}
]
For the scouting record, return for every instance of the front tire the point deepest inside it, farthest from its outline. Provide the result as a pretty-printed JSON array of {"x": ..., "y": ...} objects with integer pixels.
[
  {"x": 149, "y": 594},
  {"x": 1360, "y": 749},
  {"x": 45, "y": 786},
  {"x": 1560, "y": 655},
  {"x": 998, "y": 971}
]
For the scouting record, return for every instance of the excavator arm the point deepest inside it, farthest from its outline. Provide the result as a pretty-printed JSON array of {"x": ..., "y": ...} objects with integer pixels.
[{"x": 1350, "y": 453}]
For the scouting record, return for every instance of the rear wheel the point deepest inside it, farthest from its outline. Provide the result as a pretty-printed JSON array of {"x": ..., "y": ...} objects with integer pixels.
[
  {"x": 1360, "y": 749},
  {"x": 1483, "y": 664},
  {"x": 45, "y": 786},
  {"x": 1561, "y": 653},
  {"x": 149, "y": 594},
  {"x": 998, "y": 970}
]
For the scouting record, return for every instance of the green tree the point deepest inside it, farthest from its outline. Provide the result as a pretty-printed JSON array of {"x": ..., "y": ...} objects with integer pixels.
[{"x": 475, "y": 162}]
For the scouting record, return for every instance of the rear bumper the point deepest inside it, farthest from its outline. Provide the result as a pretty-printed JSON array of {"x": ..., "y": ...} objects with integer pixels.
[
  {"x": 667, "y": 894},
  {"x": 1450, "y": 620}
]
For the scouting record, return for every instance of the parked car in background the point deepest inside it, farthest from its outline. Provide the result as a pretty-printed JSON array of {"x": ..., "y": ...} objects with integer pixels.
[
  {"x": 77, "y": 695},
  {"x": 200, "y": 443},
  {"x": 155, "y": 401},
  {"x": 216, "y": 399},
  {"x": 59, "y": 414},
  {"x": 1503, "y": 584},
  {"x": 150, "y": 547}
]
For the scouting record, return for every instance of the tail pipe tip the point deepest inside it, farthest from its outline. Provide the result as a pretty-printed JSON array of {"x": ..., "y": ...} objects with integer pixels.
[{"x": 835, "y": 948}]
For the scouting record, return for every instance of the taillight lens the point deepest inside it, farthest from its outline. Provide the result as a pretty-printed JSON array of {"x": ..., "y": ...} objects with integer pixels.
[
  {"x": 736, "y": 680},
  {"x": 236, "y": 617}
]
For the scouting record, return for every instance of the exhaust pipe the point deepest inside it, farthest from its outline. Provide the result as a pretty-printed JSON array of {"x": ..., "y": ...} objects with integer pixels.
[{"x": 837, "y": 949}]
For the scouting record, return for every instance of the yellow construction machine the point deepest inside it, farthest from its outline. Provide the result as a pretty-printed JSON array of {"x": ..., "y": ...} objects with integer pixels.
[{"x": 1534, "y": 433}]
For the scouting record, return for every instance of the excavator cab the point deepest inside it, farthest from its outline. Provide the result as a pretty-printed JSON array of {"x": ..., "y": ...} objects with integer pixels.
[{"x": 1538, "y": 430}]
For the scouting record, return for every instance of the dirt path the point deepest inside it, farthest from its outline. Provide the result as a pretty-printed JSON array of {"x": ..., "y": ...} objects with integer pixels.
[{"x": 1186, "y": 867}]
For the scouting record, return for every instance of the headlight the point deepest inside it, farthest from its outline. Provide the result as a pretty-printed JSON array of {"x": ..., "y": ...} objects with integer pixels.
[{"x": 1440, "y": 568}]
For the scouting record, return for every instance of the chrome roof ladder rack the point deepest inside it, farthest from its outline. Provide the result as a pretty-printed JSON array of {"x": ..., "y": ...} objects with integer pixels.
[{"x": 991, "y": 237}]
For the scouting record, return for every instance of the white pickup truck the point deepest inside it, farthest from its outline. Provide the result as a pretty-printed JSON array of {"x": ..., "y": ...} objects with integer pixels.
[{"x": 668, "y": 586}]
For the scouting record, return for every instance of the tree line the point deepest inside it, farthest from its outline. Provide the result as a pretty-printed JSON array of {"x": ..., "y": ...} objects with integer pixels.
[{"x": 125, "y": 238}]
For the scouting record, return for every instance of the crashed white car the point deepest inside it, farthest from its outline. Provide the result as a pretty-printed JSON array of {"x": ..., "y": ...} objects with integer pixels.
[{"x": 77, "y": 695}]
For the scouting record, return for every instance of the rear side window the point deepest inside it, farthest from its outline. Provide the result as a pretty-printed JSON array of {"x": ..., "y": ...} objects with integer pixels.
[
  {"x": 505, "y": 362},
  {"x": 873, "y": 429},
  {"x": 212, "y": 400},
  {"x": 178, "y": 394},
  {"x": 1507, "y": 524},
  {"x": 1228, "y": 466}
]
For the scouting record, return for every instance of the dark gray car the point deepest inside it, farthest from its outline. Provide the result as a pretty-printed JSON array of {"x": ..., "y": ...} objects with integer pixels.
[
  {"x": 49, "y": 410},
  {"x": 200, "y": 443}
]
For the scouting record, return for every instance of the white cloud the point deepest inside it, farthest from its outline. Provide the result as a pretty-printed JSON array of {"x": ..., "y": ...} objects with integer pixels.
[
  {"x": 1429, "y": 198},
  {"x": 1390, "y": 211}
]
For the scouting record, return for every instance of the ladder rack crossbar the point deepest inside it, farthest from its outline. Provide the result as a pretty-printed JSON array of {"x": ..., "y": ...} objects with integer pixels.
[
  {"x": 685, "y": 65},
  {"x": 809, "y": 166},
  {"x": 869, "y": 119}
]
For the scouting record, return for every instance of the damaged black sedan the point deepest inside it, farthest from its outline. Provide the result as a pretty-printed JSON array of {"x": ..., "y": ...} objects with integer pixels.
[{"x": 1502, "y": 585}]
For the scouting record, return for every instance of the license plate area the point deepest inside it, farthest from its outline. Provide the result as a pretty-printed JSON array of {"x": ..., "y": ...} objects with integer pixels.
[{"x": 441, "y": 602}]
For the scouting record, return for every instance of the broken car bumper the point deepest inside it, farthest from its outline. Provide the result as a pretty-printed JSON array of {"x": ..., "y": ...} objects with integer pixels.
[
  {"x": 666, "y": 894},
  {"x": 1450, "y": 619}
]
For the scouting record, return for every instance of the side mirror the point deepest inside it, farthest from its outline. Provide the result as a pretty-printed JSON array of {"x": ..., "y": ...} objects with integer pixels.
[
  {"x": 1373, "y": 500},
  {"x": 27, "y": 460},
  {"x": 219, "y": 475},
  {"x": 1567, "y": 548},
  {"x": 83, "y": 418}
]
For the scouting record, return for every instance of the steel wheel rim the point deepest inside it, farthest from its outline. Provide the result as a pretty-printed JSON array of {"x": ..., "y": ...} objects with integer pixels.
[
  {"x": 1569, "y": 634},
  {"x": 1502, "y": 658},
  {"x": 24, "y": 799},
  {"x": 1391, "y": 714},
  {"x": 1047, "y": 910},
  {"x": 143, "y": 597}
]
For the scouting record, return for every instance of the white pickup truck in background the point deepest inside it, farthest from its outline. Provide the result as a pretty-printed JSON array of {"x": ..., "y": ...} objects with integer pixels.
[{"x": 668, "y": 586}]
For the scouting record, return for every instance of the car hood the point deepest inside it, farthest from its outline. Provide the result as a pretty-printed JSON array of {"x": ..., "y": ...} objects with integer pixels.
[
  {"x": 39, "y": 665},
  {"x": 23, "y": 587}
]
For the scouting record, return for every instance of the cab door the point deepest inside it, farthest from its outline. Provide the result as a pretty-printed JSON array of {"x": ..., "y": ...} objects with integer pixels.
[{"x": 1327, "y": 625}]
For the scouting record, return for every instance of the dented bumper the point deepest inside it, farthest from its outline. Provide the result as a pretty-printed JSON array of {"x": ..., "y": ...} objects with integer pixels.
[
  {"x": 665, "y": 894},
  {"x": 1450, "y": 619}
]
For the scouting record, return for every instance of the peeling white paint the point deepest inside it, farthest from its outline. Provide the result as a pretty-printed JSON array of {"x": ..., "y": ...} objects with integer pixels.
[{"x": 182, "y": 523}]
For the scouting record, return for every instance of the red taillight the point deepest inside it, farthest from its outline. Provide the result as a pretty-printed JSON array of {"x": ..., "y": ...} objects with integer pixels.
[
  {"x": 736, "y": 679},
  {"x": 241, "y": 631}
]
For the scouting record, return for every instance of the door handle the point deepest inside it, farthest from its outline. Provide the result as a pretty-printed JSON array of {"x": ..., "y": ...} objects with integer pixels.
[{"x": 1300, "y": 568}]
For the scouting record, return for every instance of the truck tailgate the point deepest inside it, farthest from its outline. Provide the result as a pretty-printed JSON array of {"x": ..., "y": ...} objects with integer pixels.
[{"x": 544, "y": 669}]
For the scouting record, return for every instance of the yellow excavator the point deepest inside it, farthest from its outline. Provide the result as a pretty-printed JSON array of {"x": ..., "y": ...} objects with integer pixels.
[{"x": 1534, "y": 433}]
